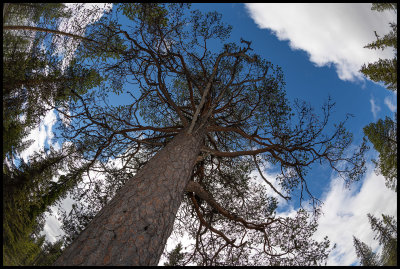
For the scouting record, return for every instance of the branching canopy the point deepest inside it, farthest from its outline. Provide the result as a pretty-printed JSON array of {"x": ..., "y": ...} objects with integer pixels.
[{"x": 167, "y": 64}]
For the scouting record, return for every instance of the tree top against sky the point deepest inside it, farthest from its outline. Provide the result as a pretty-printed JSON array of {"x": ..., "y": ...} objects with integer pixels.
[{"x": 182, "y": 78}]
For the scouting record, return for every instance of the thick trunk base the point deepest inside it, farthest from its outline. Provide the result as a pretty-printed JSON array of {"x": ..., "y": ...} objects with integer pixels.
[{"x": 134, "y": 227}]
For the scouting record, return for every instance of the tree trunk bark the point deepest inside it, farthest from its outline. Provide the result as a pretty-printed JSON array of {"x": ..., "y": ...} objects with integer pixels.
[{"x": 133, "y": 228}]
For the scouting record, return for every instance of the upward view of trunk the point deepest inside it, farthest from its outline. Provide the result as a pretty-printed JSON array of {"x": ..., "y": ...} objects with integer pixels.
[{"x": 133, "y": 228}]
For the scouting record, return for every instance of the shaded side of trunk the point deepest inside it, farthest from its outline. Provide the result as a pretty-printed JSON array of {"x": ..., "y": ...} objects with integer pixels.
[{"x": 133, "y": 228}]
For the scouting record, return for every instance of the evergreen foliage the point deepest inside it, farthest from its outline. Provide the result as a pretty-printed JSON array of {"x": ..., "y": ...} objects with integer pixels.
[
  {"x": 175, "y": 257},
  {"x": 386, "y": 234},
  {"x": 365, "y": 254},
  {"x": 383, "y": 136},
  {"x": 34, "y": 82},
  {"x": 384, "y": 70}
]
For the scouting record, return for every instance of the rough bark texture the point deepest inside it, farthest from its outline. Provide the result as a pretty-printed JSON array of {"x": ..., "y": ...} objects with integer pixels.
[{"x": 134, "y": 227}]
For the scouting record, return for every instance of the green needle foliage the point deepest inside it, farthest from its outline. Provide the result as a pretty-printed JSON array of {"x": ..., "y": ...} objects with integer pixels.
[
  {"x": 384, "y": 70},
  {"x": 34, "y": 82},
  {"x": 383, "y": 136},
  {"x": 386, "y": 234},
  {"x": 364, "y": 253},
  {"x": 175, "y": 257}
]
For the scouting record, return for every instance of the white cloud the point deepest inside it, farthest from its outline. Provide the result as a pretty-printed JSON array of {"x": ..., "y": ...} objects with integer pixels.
[
  {"x": 374, "y": 108},
  {"x": 345, "y": 212},
  {"x": 82, "y": 15},
  {"x": 40, "y": 135},
  {"x": 333, "y": 33},
  {"x": 44, "y": 132},
  {"x": 345, "y": 215},
  {"x": 390, "y": 102},
  {"x": 52, "y": 227}
]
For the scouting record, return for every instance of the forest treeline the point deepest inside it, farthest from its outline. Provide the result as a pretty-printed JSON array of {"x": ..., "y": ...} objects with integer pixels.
[
  {"x": 34, "y": 80},
  {"x": 383, "y": 136}
]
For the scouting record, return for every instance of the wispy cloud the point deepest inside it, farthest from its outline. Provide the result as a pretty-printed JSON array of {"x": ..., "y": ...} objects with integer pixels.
[
  {"x": 330, "y": 33},
  {"x": 391, "y": 102},
  {"x": 374, "y": 108}
]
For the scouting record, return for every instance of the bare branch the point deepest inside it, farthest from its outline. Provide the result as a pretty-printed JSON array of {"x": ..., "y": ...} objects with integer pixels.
[{"x": 266, "y": 181}]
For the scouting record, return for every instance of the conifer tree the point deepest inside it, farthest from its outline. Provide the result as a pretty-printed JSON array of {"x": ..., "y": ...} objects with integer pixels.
[
  {"x": 383, "y": 136},
  {"x": 34, "y": 82},
  {"x": 383, "y": 133},
  {"x": 384, "y": 70},
  {"x": 365, "y": 254},
  {"x": 29, "y": 190},
  {"x": 386, "y": 234},
  {"x": 175, "y": 257}
]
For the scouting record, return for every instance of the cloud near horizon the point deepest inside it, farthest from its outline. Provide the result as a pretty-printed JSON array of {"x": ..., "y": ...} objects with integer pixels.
[{"x": 332, "y": 34}]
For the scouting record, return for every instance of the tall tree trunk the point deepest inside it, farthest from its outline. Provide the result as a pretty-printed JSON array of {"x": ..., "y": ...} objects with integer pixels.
[{"x": 133, "y": 228}]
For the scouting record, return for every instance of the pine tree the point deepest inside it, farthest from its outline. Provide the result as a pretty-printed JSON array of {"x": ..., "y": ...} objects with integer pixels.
[
  {"x": 383, "y": 136},
  {"x": 34, "y": 81},
  {"x": 384, "y": 70},
  {"x": 365, "y": 254},
  {"x": 29, "y": 189},
  {"x": 175, "y": 257},
  {"x": 386, "y": 233},
  {"x": 49, "y": 253},
  {"x": 197, "y": 119},
  {"x": 383, "y": 133}
]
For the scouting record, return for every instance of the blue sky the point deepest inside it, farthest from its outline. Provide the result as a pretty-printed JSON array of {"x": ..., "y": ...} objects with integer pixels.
[{"x": 320, "y": 50}]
